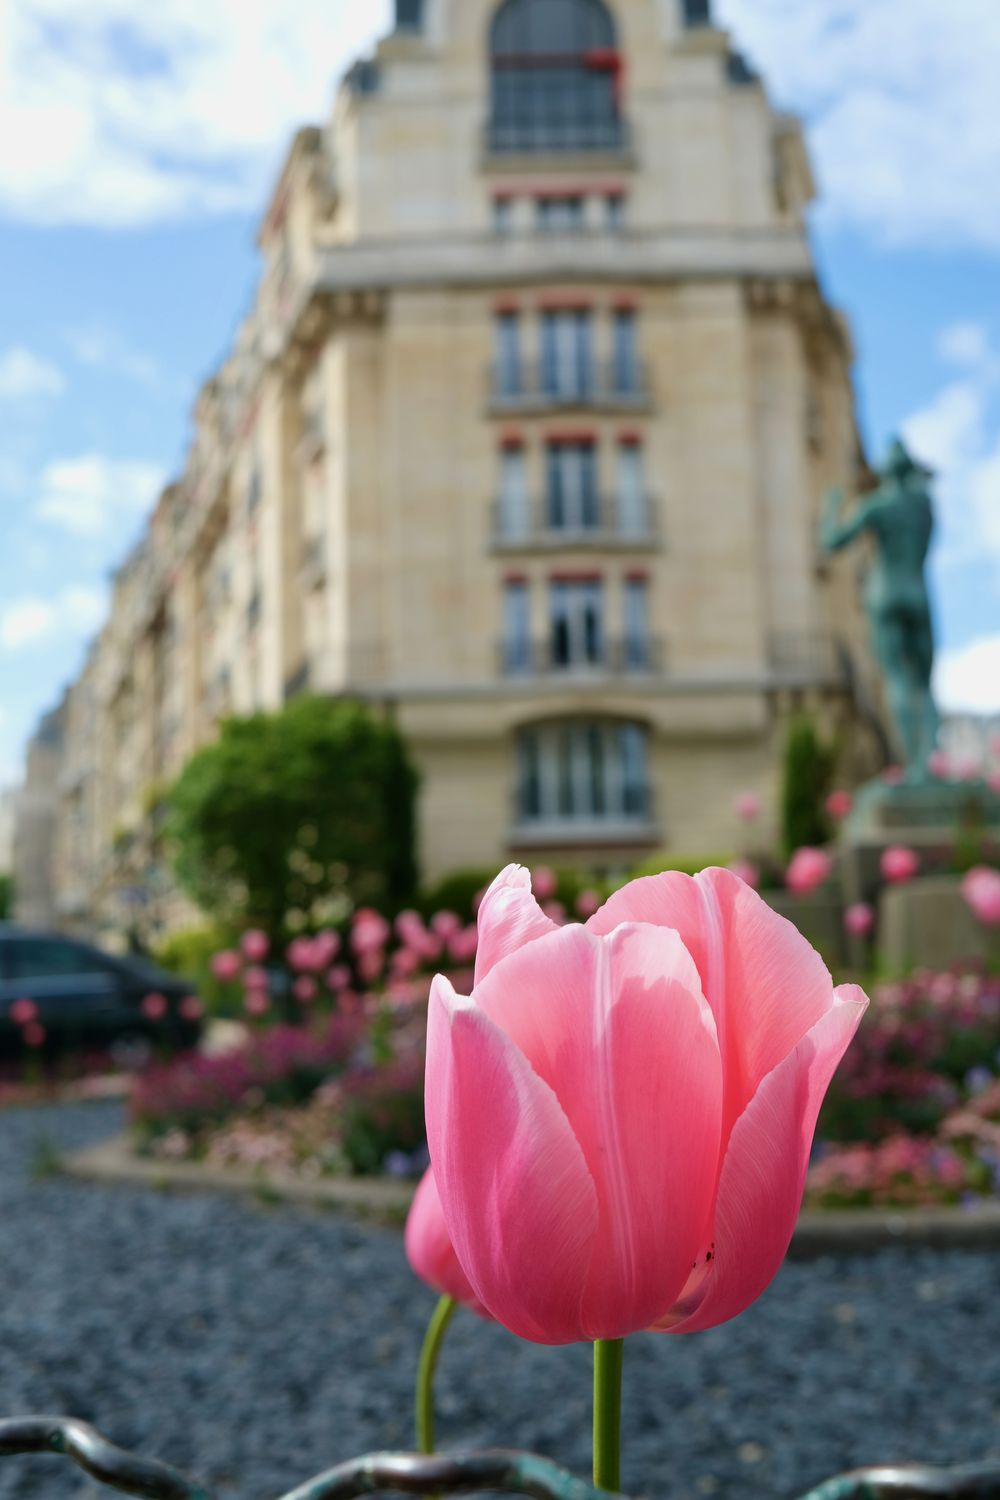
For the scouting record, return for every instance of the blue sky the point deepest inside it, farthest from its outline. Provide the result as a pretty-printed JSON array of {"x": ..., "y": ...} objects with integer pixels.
[{"x": 137, "y": 152}]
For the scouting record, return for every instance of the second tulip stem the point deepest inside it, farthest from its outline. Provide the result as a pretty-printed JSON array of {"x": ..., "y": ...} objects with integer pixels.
[
  {"x": 608, "y": 1357},
  {"x": 433, "y": 1340}
]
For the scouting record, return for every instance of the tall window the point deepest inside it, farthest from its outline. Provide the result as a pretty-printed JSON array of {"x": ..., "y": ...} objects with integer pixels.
[
  {"x": 516, "y": 625},
  {"x": 555, "y": 77},
  {"x": 583, "y": 773},
  {"x": 626, "y": 357},
  {"x": 555, "y": 214},
  {"x": 572, "y": 500},
  {"x": 576, "y": 622},
  {"x": 635, "y": 605},
  {"x": 633, "y": 518},
  {"x": 567, "y": 354},
  {"x": 514, "y": 507},
  {"x": 507, "y": 352}
]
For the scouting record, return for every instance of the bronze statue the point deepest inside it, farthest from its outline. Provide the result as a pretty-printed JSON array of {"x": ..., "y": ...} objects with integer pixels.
[{"x": 899, "y": 515}]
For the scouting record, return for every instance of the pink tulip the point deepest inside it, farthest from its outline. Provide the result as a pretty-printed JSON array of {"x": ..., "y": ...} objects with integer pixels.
[
  {"x": 981, "y": 889},
  {"x": 747, "y": 807},
  {"x": 303, "y": 956},
  {"x": 226, "y": 966},
  {"x": 899, "y": 864},
  {"x": 339, "y": 977},
  {"x": 429, "y": 1250},
  {"x": 371, "y": 964},
  {"x": 808, "y": 870},
  {"x": 968, "y": 768},
  {"x": 462, "y": 945},
  {"x": 370, "y": 931},
  {"x": 555, "y": 911},
  {"x": 859, "y": 920},
  {"x": 34, "y": 1035},
  {"x": 939, "y": 765},
  {"x": 745, "y": 870},
  {"x": 154, "y": 1007},
  {"x": 191, "y": 1008},
  {"x": 305, "y": 989},
  {"x": 255, "y": 978},
  {"x": 24, "y": 1012},
  {"x": 256, "y": 1002},
  {"x": 256, "y": 945},
  {"x": 326, "y": 946},
  {"x": 839, "y": 805},
  {"x": 445, "y": 924},
  {"x": 620, "y": 1117},
  {"x": 543, "y": 882},
  {"x": 587, "y": 903}
]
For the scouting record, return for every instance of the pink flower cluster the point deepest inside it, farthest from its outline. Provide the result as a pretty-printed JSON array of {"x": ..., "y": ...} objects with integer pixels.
[{"x": 902, "y": 1171}]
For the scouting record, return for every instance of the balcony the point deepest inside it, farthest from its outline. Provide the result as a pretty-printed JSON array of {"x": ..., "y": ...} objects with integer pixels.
[
  {"x": 602, "y": 522},
  {"x": 577, "y": 133},
  {"x": 537, "y": 827},
  {"x": 629, "y": 657},
  {"x": 595, "y": 385}
]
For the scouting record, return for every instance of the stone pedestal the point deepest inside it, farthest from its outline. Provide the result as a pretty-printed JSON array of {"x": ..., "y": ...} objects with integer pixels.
[{"x": 926, "y": 924}]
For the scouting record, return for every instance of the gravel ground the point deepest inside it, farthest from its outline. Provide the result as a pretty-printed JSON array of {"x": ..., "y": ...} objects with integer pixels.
[{"x": 255, "y": 1346}]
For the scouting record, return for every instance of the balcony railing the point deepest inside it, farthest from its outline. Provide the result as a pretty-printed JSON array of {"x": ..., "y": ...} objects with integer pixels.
[
  {"x": 533, "y": 823},
  {"x": 535, "y": 386},
  {"x": 602, "y": 521},
  {"x": 642, "y": 655},
  {"x": 577, "y": 132}
]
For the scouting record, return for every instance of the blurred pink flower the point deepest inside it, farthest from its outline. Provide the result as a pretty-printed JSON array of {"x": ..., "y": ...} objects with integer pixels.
[
  {"x": 226, "y": 966},
  {"x": 859, "y": 920},
  {"x": 154, "y": 1007},
  {"x": 981, "y": 889},
  {"x": 808, "y": 870},
  {"x": 256, "y": 945},
  {"x": 555, "y": 911},
  {"x": 747, "y": 871},
  {"x": 256, "y": 978},
  {"x": 34, "y": 1035},
  {"x": 305, "y": 989},
  {"x": 371, "y": 964},
  {"x": 894, "y": 775},
  {"x": 326, "y": 946},
  {"x": 23, "y": 1012},
  {"x": 256, "y": 1002},
  {"x": 339, "y": 977},
  {"x": 370, "y": 931},
  {"x": 191, "y": 1008},
  {"x": 899, "y": 864},
  {"x": 445, "y": 924},
  {"x": 939, "y": 764},
  {"x": 544, "y": 883},
  {"x": 587, "y": 903},
  {"x": 747, "y": 807},
  {"x": 462, "y": 945},
  {"x": 839, "y": 805},
  {"x": 303, "y": 955}
]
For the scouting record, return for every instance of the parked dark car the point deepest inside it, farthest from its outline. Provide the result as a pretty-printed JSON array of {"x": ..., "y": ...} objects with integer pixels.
[{"x": 86, "y": 996}]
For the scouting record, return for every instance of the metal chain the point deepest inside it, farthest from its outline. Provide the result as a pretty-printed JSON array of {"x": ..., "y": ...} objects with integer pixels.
[{"x": 445, "y": 1474}]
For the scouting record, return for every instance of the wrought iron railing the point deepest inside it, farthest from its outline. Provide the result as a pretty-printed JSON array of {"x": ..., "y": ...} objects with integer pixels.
[
  {"x": 552, "y": 658},
  {"x": 600, "y": 520},
  {"x": 501, "y": 1470},
  {"x": 537, "y": 385}
]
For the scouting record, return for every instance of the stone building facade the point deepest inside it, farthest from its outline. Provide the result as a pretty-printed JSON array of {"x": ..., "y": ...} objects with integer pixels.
[{"x": 524, "y": 441}]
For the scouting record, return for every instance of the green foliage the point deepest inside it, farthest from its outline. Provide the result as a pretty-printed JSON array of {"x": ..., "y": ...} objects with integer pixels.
[
  {"x": 808, "y": 781},
  {"x": 456, "y": 892},
  {"x": 285, "y": 809},
  {"x": 188, "y": 953},
  {"x": 6, "y": 897}
]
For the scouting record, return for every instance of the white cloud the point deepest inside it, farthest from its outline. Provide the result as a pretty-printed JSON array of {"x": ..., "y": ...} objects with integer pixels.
[
  {"x": 966, "y": 344},
  {"x": 103, "y": 349},
  {"x": 23, "y": 374},
  {"x": 967, "y": 680},
  {"x": 76, "y": 610},
  {"x": 902, "y": 105},
  {"x": 93, "y": 496},
  {"x": 130, "y": 115}
]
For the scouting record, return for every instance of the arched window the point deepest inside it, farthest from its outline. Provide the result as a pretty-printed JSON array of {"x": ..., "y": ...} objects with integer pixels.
[{"x": 556, "y": 77}]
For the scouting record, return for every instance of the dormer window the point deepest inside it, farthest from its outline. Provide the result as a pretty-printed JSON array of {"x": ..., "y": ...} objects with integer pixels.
[{"x": 556, "y": 77}]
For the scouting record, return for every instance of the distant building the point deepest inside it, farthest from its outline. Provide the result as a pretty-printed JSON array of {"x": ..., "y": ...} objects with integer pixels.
[
  {"x": 7, "y": 806},
  {"x": 35, "y": 822},
  {"x": 525, "y": 441}
]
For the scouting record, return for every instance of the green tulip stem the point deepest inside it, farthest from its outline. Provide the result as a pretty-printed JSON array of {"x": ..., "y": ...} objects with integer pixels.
[
  {"x": 608, "y": 1356},
  {"x": 433, "y": 1339}
]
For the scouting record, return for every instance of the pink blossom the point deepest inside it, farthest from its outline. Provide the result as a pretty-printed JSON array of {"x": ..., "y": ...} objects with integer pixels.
[
  {"x": 256, "y": 945},
  {"x": 24, "y": 1012},
  {"x": 445, "y": 924},
  {"x": 839, "y": 805},
  {"x": 226, "y": 966},
  {"x": 747, "y": 807},
  {"x": 587, "y": 903},
  {"x": 899, "y": 864},
  {"x": 191, "y": 1008},
  {"x": 34, "y": 1035},
  {"x": 555, "y": 911},
  {"x": 256, "y": 1002},
  {"x": 305, "y": 989},
  {"x": 370, "y": 931},
  {"x": 894, "y": 775},
  {"x": 154, "y": 1007},
  {"x": 859, "y": 920},
  {"x": 939, "y": 764},
  {"x": 747, "y": 871},
  {"x": 604, "y": 1163},
  {"x": 463, "y": 944},
  {"x": 429, "y": 1250},
  {"x": 981, "y": 889},
  {"x": 256, "y": 978},
  {"x": 339, "y": 977},
  {"x": 371, "y": 964},
  {"x": 304, "y": 956},
  {"x": 544, "y": 883},
  {"x": 809, "y": 869}
]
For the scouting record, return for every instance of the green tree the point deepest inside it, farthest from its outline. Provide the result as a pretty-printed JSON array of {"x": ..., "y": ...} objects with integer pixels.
[
  {"x": 809, "y": 768},
  {"x": 287, "y": 809}
]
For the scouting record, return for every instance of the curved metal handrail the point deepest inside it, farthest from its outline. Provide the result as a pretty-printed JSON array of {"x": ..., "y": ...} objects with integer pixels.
[{"x": 447, "y": 1474}]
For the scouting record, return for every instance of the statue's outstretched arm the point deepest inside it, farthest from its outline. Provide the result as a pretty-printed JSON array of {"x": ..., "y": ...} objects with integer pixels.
[{"x": 835, "y": 533}]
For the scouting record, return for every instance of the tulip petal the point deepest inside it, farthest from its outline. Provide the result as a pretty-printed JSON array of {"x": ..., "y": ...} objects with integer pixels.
[
  {"x": 518, "y": 1200},
  {"x": 766, "y": 984},
  {"x": 429, "y": 1249},
  {"x": 509, "y": 917},
  {"x": 763, "y": 1175},
  {"x": 619, "y": 1028}
]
